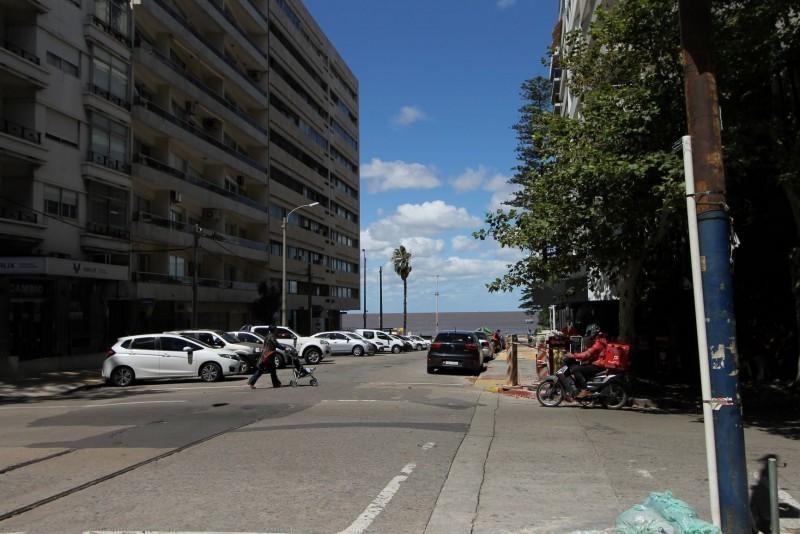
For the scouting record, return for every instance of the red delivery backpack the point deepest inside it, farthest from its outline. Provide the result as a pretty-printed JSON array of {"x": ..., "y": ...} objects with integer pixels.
[{"x": 618, "y": 357}]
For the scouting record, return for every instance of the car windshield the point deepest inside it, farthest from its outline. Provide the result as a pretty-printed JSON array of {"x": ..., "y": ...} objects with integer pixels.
[{"x": 227, "y": 337}]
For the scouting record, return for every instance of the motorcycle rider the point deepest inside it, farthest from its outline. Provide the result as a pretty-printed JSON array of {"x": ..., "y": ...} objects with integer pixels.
[{"x": 591, "y": 361}]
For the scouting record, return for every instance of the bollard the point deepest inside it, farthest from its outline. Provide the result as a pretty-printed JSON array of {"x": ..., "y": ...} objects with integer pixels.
[
  {"x": 774, "y": 510},
  {"x": 512, "y": 377}
]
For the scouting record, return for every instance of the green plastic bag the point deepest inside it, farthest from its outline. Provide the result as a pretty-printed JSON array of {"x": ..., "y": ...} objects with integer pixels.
[{"x": 663, "y": 514}]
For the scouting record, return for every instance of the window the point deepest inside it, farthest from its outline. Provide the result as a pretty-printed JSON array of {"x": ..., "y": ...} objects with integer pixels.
[
  {"x": 109, "y": 142},
  {"x": 110, "y": 74},
  {"x": 62, "y": 64},
  {"x": 177, "y": 266},
  {"x": 144, "y": 343},
  {"x": 175, "y": 344},
  {"x": 115, "y": 14},
  {"x": 108, "y": 206},
  {"x": 60, "y": 202}
]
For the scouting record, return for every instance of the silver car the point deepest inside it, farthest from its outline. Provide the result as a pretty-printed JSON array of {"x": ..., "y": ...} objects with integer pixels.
[
  {"x": 347, "y": 343},
  {"x": 166, "y": 356}
]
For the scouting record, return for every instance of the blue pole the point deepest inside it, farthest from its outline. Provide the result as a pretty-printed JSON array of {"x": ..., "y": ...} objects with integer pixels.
[{"x": 714, "y": 241}]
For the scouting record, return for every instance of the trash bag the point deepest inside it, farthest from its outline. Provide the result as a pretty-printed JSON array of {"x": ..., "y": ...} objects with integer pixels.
[{"x": 662, "y": 513}]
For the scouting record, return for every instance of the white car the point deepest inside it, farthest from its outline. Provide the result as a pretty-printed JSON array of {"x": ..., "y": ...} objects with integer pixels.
[
  {"x": 247, "y": 352},
  {"x": 420, "y": 343},
  {"x": 166, "y": 356},
  {"x": 382, "y": 340},
  {"x": 347, "y": 343},
  {"x": 310, "y": 348}
]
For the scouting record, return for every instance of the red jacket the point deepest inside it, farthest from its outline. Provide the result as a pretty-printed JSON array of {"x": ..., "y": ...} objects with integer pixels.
[{"x": 594, "y": 355}]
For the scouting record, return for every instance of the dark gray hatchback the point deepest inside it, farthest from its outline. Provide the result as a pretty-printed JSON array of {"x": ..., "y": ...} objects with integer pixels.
[{"x": 455, "y": 349}]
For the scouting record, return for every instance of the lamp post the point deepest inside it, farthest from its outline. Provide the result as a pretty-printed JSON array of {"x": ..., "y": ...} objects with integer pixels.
[
  {"x": 283, "y": 258},
  {"x": 380, "y": 297},
  {"x": 364, "y": 251},
  {"x": 437, "y": 303}
]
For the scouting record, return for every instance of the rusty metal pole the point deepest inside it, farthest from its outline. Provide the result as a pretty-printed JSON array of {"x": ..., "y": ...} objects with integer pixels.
[{"x": 713, "y": 226}]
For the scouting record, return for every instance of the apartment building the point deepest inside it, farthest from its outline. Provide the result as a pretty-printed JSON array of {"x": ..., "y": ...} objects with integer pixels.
[
  {"x": 573, "y": 15},
  {"x": 150, "y": 151}
]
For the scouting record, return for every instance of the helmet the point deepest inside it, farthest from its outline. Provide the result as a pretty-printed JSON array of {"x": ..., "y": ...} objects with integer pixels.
[{"x": 592, "y": 330}]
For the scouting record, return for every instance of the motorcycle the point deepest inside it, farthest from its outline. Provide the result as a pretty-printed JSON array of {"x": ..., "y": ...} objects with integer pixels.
[{"x": 609, "y": 388}]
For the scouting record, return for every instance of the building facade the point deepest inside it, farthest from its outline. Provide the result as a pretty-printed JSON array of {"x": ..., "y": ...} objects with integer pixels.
[{"x": 150, "y": 151}]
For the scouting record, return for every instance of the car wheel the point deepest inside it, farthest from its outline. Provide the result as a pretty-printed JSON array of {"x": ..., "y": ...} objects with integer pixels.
[
  {"x": 279, "y": 363},
  {"x": 122, "y": 376},
  {"x": 313, "y": 356},
  {"x": 358, "y": 350},
  {"x": 396, "y": 349},
  {"x": 210, "y": 372}
]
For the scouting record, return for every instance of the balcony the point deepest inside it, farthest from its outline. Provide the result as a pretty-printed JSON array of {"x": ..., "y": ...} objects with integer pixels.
[
  {"x": 23, "y": 66},
  {"x": 149, "y": 219},
  {"x": 22, "y": 142}
]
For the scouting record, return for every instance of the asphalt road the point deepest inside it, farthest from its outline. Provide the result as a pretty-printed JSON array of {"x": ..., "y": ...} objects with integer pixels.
[{"x": 378, "y": 446}]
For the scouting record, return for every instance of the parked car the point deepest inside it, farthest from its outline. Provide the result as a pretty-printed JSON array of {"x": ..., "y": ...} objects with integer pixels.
[
  {"x": 455, "y": 349},
  {"x": 347, "y": 343},
  {"x": 247, "y": 352},
  {"x": 166, "y": 356},
  {"x": 312, "y": 349},
  {"x": 407, "y": 345},
  {"x": 382, "y": 340},
  {"x": 486, "y": 346},
  {"x": 419, "y": 343}
]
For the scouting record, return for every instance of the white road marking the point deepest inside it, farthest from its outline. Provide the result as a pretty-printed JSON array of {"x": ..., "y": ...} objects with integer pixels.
[
  {"x": 67, "y": 408},
  {"x": 376, "y": 507},
  {"x": 645, "y": 473},
  {"x": 428, "y": 445}
]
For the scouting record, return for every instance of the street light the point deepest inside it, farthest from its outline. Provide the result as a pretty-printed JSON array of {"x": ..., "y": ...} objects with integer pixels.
[
  {"x": 283, "y": 257},
  {"x": 437, "y": 303}
]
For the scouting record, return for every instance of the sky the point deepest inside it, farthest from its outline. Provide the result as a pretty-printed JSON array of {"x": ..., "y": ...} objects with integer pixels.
[{"x": 439, "y": 93}]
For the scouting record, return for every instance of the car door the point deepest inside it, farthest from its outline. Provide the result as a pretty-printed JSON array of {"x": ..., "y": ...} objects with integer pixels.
[
  {"x": 338, "y": 343},
  {"x": 174, "y": 361},
  {"x": 144, "y": 357}
]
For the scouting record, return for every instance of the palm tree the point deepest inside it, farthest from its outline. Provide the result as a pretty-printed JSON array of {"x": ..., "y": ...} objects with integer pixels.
[{"x": 401, "y": 258}]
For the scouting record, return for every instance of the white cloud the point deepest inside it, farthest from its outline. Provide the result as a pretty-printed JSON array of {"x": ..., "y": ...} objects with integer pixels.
[
  {"x": 469, "y": 180},
  {"x": 412, "y": 221},
  {"x": 462, "y": 243},
  {"x": 503, "y": 4},
  {"x": 381, "y": 176},
  {"x": 409, "y": 115}
]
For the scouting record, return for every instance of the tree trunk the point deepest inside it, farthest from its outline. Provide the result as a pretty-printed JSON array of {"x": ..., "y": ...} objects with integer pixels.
[
  {"x": 405, "y": 307},
  {"x": 627, "y": 301}
]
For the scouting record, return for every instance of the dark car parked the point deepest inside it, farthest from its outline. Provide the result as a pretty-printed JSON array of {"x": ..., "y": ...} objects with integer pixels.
[{"x": 455, "y": 349}]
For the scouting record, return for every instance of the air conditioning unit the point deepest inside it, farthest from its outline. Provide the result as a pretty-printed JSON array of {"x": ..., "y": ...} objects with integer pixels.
[
  {"x": 191, "y": 107},
  {"x": 255, "y": 74},
  {"x": 212, "y": 214},
  {"x": 210, "y": 124},
  {"x": 175, "y": 196}
]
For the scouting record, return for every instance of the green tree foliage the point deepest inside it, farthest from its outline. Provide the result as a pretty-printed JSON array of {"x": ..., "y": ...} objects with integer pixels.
[
  {"x": 401, "y": 259},
  {"x": 603, "y": 190},
  {"x": 267, "y": 305}
]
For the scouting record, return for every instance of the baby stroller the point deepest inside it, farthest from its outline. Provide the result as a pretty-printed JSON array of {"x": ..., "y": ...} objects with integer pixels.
[{"x": 298, "y": 371}]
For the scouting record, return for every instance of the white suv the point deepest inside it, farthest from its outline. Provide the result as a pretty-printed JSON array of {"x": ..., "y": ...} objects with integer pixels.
[
  {"x": 382, "y": 340},
  {"x": 310, "y": 348}
]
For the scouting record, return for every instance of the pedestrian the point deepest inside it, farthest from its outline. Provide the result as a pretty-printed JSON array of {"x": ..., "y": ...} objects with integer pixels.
[{"x": 267, "y": 362}]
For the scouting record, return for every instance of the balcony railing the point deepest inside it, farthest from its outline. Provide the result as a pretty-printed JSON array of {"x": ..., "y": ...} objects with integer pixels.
[
  {"x": 200, "y": 182},
  {"x": 110, "y": 231},
  {"x": 179, "y": 69},
  {"x": 16, "y": 214},
  {"x": 187, "y": 281},
  {"x": 11, "y": 47},
  {"x": 163, "y": 222},
  {"x": 10, "y": 128},
  {"x": 106, "y": 161},
  {"x": 220, "y": 54},
  {"x": 108, "y": 96},
  {"x": 197, "y": 132}
]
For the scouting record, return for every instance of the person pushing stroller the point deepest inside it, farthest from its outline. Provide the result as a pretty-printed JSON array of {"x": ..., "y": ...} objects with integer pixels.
[{"x": 267, "y": 362}]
